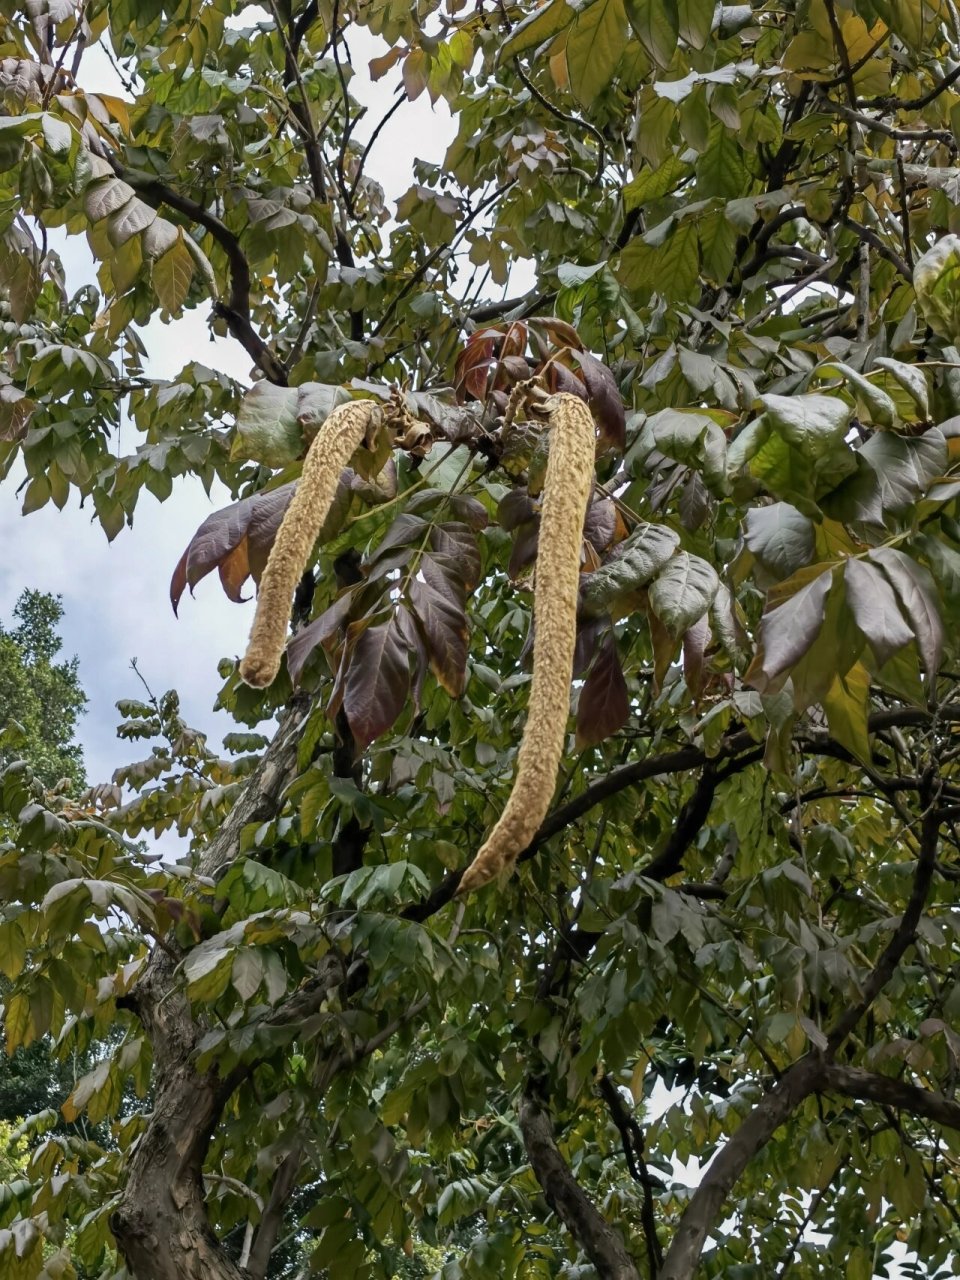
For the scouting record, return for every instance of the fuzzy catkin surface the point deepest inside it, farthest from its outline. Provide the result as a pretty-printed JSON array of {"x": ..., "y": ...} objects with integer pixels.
[
  {"x": 566, "y": 492},
  {"x": 331, "y": 450}
]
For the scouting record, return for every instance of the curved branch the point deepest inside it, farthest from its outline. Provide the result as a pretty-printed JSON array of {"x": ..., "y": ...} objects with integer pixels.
[
  {"x": 236, "y": 310},
  {"x": 905, "y": 931},
  {"x": 632, "y": 1142},
  {"x": 889, "y": 1092},
  {"x": 725, "y": 1169},
  {"x": 567, "y": 119},
  {"x": 599, "y": 1240}
]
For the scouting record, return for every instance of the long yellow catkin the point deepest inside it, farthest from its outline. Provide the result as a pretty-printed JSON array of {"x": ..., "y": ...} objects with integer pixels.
[
  {"x": 331, "y": 450},
  {"x": 566, "y": 492}
]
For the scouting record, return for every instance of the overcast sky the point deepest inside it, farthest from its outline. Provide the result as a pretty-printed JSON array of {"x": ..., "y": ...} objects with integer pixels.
[{"x": 116, "y": 595}]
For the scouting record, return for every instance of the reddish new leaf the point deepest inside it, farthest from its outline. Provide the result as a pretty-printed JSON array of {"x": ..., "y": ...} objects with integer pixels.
[
  {"x": 604, "y": 704},
  {"x": 459, "y": 543},
  {"x": 695, "y": 643},
  {"x": 589, "y": 633},
  {"x": 560, "y": 378},
  {"x": 605, "y": 400},
  {"x": 472, "y": 368},
  {"x": 515, "y": 509},
  {"x": 524, "y": 549},
  {"x": 236, "y": 540},
  {"x": 558, "y": 331},
  {"x": 321, "y": 631},
  {"x": 600, "y": 526},
  {"x": 444, "y": 624},
  {"x": 376, "y": 680}
]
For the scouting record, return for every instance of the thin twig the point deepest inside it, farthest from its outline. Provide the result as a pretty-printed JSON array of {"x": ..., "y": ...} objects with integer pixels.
[
  {"x": 567, "y": 119},
  {"x": 391, "y": 111},
  {"x": 842, "y": 53}
]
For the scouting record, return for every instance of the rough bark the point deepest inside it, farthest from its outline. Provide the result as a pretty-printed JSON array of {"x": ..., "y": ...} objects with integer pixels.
[
  {"x": 703, "y": 1211},
  {"x": 161, "y": 1224},
  {"x": 600, "y": 1241}
]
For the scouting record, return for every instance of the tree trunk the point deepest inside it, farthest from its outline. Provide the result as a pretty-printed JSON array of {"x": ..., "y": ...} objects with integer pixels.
[{"x": 161, "y": 1224}]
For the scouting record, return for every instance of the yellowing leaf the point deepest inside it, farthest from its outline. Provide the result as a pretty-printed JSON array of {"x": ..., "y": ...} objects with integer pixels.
[
  {"x": 846, "y": 705},
  {"x": 172, "y": 273},
  {"x": 594, "y": 45}
]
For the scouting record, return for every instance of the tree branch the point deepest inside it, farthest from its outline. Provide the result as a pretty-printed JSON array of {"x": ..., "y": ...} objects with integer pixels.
[
  {"x": 725, "y": 1169},
  {"x": 871, "y": 238},
  {"x": 235, "y": 311},
  {"x": 888, "y": 1092},
  {"x": 272, "y": 1218},
  {"x": 906, "y": 930},
  {"x": 599, "y": 1240},
  {"x": 632, "y": 1142},
  {"x": 567, "y": 119}
]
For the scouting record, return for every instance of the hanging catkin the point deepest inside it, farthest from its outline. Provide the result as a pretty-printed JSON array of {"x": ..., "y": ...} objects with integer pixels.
[
  {"x": 566, "y": 492},
  {"x": 331, "y": 450}
]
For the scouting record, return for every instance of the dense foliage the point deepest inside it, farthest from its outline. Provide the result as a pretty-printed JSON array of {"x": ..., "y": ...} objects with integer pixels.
[
  {"x": 309, "y": 1056},
  {"x": 41, "y": 695}
]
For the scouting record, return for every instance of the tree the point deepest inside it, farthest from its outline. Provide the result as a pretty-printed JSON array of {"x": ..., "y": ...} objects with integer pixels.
[
  {"x": 43, "y": 696},
  {"x": 43, "y": 699},
  {"x": 740, "y": 220}
]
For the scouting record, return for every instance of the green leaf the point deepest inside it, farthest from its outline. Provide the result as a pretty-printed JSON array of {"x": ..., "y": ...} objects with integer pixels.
[
  {"x": 538, "y": 26},
  {"x": 683, "y": 592},
  {"x": 875, "y": 608},
  {"x": 654, "y": 182},
  {"x": 247, "y": 972},
  {"x": 656, "y": 24},
  {"x": 936, "y": 281},
  {"x": 812, "y": 423},
  {"x": 781, "y": 537},
  {"x": 692, "y": 438},
  {"x": 846, "y": 704},
  {"x": 273, "y": 422},
  {"x": 905, "y": 467},
  {"x": 594, "y": 46},
  {"x": 635, "y": 562},
  {"x": 912, "y": 379},
  {"x": 880, "y": 407},
  {"x": 13, "y": 949},
  {"x": 207, "y": 969},
  {"x": 172, "y": 273}
]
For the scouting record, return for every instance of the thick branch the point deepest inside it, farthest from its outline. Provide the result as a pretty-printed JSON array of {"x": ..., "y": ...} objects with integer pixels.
[
  {"x": 599, "y": 1240},
  {"x": 700, "y": 1215},
  {"x": 693, "y": 816},
  {"x": 888, "y": 1092},
  {"x": 272, "y": 1219}
]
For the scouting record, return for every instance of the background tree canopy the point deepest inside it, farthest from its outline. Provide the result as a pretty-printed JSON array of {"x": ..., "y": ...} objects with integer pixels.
[{"x": 306, "y": 1056}]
